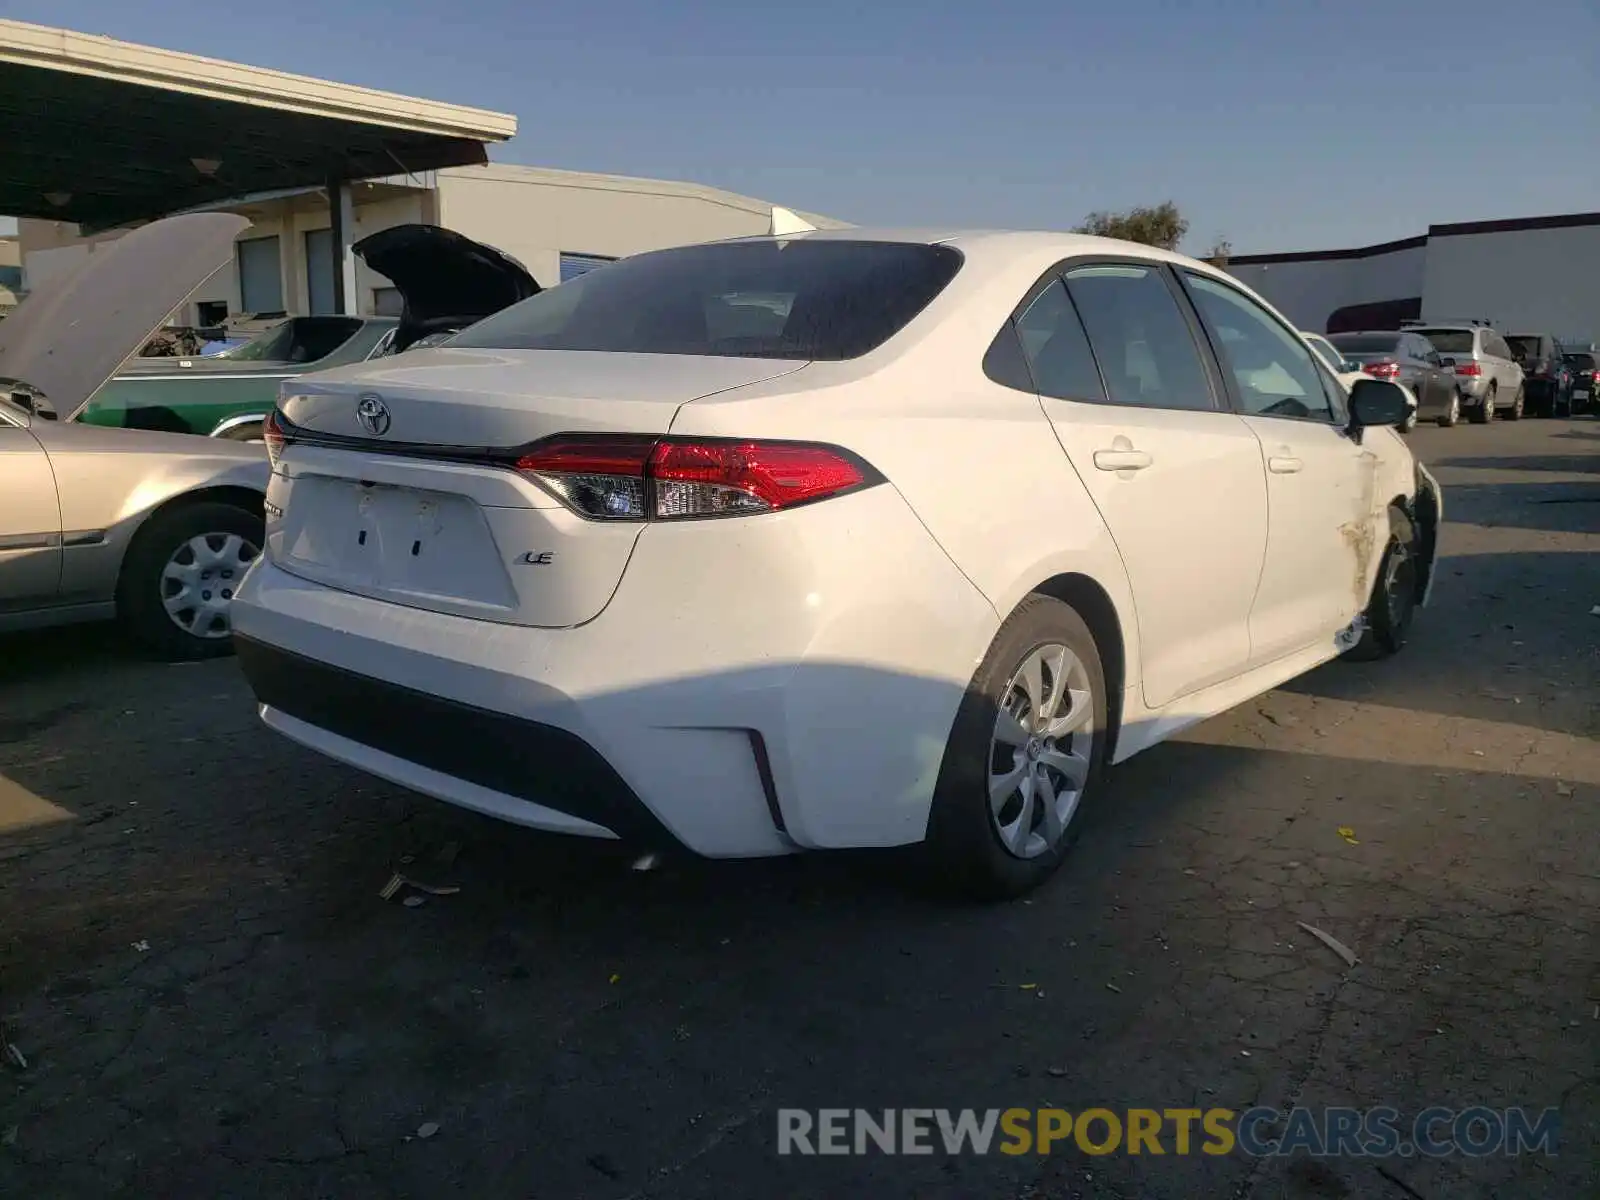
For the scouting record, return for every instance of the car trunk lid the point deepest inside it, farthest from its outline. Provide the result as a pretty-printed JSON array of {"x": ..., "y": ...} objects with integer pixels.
[
  {"x": 446, "y": 281},
  {"x": 399, "y": 482}
]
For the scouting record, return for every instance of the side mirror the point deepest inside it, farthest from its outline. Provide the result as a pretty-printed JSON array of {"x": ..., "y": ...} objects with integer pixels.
[{"x": 1376, "y": 402}]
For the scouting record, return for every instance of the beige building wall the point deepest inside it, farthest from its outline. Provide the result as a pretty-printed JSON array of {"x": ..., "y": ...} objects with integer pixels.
[
  {"x": 536, "y": 215},
  {"x": 10, "y": 256},
  {"x": 531, "y": 213}
]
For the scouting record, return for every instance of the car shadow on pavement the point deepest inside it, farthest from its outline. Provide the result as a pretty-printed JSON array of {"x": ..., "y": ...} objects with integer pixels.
[
  {"x": 207, "y": 980},
  {"x": 1502, "y": 643},
  {"x": 42, "y": 654},
  {"x": 1561, "y": 464},
  {"x": 1565, "y": 507}
]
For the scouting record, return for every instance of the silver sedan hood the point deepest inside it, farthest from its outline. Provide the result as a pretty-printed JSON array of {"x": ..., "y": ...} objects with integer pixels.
[{"x": 72, "y": 333}]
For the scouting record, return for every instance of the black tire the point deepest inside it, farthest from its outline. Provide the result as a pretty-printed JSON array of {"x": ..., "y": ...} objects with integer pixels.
[
  {"x": 1484, "y": 413},
  {"x": 963, "y": 854},
  {"x": 1395, "y": 593},
  {"x": 1452, "y": 413},
  {"x": 241, "y": 433},
  {"x": 1514, "y": 413},
  {"x": 141, "y": 587}
]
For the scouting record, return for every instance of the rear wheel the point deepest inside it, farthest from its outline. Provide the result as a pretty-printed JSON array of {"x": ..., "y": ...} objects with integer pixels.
[
  {"x": 1514, "y": 413},
  {"x": 179, "y": 576},
  {"x": 1025, "y": 751},
  {"x": 1452, "y": 409},
  {"x": 1484, "y": 413},
  {"x": 1393, "y": 603}
]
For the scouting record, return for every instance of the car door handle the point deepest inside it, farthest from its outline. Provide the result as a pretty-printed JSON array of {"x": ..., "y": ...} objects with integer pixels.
[
  {"x": 1122, "y": 460},
  {"x": 1283, "y": 464}
]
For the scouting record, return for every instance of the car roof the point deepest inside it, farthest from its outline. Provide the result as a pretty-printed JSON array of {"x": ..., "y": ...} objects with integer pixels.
[{"x": 1014, "y": 241}]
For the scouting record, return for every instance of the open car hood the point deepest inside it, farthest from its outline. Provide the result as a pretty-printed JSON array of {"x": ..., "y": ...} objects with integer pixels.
[
  {"x": 446, "y": 281},
  {"x": 72, "y": 333}
]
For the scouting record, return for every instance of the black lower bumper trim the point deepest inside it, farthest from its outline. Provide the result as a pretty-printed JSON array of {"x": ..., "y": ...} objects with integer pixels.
[{"x": 521, "y": 758}]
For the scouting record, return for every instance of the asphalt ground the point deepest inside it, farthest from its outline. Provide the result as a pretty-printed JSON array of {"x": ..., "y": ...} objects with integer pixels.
[{"x": 213, "y": 1000}]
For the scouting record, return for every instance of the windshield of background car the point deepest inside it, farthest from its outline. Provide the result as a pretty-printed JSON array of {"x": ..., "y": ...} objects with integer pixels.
[
  {"x": 1365, "y": 343},
  {"x": 1448, "y": 341},
  {"x": 297, "y": 340},
  {"x": 790, "y": 299},
  {"x": 1581, "y": 362}
]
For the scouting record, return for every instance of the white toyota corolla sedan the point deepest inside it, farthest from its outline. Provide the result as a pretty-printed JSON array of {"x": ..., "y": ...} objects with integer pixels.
[{"x": 839, "y": 539}]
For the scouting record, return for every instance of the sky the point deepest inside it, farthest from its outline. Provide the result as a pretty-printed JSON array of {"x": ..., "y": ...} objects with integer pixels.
[{"x": 1275, "y": 124}]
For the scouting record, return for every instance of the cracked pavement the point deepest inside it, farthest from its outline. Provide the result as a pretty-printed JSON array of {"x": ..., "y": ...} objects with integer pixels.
[{"x": 576, "y": 1029}]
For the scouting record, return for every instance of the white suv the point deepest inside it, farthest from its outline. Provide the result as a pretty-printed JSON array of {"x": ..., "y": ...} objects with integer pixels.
[
  {"x": 1490, "y": 378},
  {"x": 837, "y": 539}
]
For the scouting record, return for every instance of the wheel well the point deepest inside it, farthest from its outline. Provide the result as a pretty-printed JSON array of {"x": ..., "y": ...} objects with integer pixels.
[
  {"x": 239, "y": 497},
  {"x": 1090, "y": 601}
]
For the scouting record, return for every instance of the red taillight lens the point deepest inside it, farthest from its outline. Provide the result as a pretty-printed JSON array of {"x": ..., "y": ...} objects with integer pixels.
[
  {"x": 667, "y": 479},
  {"x": 1382, "y": 370},
  {"x": 273, "y": 435},
  {"x": 713, "y": 479},
  {"x": 1470, "y": 369}
]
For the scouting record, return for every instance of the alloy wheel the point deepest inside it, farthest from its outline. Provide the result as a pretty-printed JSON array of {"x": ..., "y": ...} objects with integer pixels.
[{"x": 1039, "y": 754}]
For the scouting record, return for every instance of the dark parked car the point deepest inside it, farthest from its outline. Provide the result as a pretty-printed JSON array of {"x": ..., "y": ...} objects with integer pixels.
[
  {"x": 1583, "y": 364},
  {"x": 1409, "y": 359},
  {"x": 1547, "y": 381}
]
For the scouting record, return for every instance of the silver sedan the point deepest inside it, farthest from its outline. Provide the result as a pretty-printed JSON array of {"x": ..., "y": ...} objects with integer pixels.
[{"x": 154, "y": 528}]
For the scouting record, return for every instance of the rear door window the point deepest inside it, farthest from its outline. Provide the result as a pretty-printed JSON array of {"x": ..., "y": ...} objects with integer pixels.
[
  {"x": 1057, "y": 349},
  {"x": 1146, "y": 353},
  {"x": 794, "y": 298}
]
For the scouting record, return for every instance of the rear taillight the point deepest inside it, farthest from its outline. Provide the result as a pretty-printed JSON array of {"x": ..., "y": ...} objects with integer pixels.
[
  {"x": 642, "y": 478},
  {"x": 272, "y": 434},
  {"x": 1470, "y": 369},
  {"x": 1382, "y": 370}
]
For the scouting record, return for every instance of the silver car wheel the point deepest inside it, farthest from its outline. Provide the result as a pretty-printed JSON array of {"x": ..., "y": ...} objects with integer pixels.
[
  {"x": 1039, "y": 755},
  {"x": 199, "y": 580}
]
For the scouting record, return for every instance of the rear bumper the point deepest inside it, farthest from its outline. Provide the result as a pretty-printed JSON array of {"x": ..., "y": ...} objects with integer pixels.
[
  {"x": 786, "y": 684},
  {"x": 540, "y": 765}
]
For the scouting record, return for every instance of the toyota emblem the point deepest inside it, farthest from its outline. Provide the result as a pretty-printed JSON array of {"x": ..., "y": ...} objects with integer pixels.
[{"x": 373, "y": 413}]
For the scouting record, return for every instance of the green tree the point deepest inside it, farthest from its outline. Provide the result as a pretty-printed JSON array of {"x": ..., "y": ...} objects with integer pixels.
[{"x": 1162, "y": 225}]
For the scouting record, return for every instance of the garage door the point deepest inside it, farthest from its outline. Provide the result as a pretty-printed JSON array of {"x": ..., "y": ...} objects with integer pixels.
[
  {"x": 260, "y": 276},
  {"x": 573, "y": 265}
]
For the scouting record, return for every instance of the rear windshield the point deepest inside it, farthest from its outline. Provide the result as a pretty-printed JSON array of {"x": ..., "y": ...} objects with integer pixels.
[
  {"x": 1364, "y": 343},
  {"x": 794, "y": 299},
  {"x": 1448, "y": 341},
  {"x": 1584, "y": 362},
  {"x": 1523, "y": 345}
]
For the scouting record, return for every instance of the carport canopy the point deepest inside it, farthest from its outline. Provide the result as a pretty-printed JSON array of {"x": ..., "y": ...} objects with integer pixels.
[{"x": 106, "y": 133}]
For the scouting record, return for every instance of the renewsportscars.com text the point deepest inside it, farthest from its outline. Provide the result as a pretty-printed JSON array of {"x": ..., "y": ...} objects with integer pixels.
[{"x": 1259, "y": 1132}]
